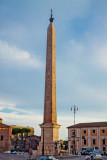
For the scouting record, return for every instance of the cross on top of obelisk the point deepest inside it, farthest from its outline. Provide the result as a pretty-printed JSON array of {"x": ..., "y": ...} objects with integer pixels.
[{"x": 51, "y": 18}]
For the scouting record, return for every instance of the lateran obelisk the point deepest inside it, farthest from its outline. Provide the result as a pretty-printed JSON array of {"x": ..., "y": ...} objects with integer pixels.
[{"x": 49, "y": 127}]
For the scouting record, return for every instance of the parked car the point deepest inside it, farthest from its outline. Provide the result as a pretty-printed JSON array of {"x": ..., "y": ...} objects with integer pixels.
[
  {"x": 83, "y": 153},
  {"x": 43, "y": 158},
  {"x": 104, "y": 153},
  {"x": 8, "y": 152},
  {"x": 47, "y": 158},
  {"x": 94, "y": 156},
  {"x": 52, "y": 158},
  {"x": 14, "y": 152},
  {"x": 78, "y": 152}
]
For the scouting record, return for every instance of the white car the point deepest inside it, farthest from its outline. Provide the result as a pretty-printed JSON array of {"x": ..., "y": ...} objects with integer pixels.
[
  {"x": 94, "y": 156},
  {"x": 8, "y": 152},
  {"x": 52, "y": 158},
  {"x": 14, "y": 152}
]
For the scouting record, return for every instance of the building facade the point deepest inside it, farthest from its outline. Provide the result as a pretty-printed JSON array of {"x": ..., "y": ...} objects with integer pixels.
[
  {"x": 32, "y": 142},
  {"x": 87, "y": 135},
  {"x": 5, "y": 137}
]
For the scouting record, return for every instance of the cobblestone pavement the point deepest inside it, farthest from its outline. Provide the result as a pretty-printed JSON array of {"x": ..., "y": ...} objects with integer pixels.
[
  {"x": 21, "y": 157},
  {"x": 12, "y": 157},
  {"x": 80, "y": 158}
]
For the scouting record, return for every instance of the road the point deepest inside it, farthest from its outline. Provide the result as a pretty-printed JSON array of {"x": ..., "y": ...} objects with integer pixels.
[
  {"x": 11, "y": 157},
  {"x": 21, "y": 157},
  {"x": 82, "y": 158}
]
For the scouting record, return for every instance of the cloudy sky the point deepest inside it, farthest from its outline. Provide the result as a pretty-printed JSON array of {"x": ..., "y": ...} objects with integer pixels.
[{"x": 81, "y": 60}]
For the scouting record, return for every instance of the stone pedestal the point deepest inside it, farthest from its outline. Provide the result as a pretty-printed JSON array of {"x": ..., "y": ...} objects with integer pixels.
[{"x": 50, "y": 133}]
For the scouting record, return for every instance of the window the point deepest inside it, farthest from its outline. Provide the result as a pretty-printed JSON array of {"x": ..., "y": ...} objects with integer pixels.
[
  {"x": 104, "y": 148},
  {"x": 1, "y": 137},
  {"x": 73, "y": 132},
  {"x": 103, "y": 130},
  {"x": 103, "y": 141},
  {"x": 73, "y": 142},
  {"x": 94, "y": 142},
  {"x": 84, "y": 141},
  {"x": 84, "y": 131},
  {"x": 93, "y": 130}
]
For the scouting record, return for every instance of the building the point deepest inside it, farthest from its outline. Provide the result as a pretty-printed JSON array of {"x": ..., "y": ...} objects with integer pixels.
[
  {"x": 87, "y": 135},
  {"x": 32, "y": 142},
  {"x": 49, "y": 127},
  {"x": 5, "y": 137},
  {"x": 9, "y": 141}
]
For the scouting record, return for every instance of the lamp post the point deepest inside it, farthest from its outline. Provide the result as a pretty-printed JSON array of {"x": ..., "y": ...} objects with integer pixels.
[{"x": 75, "y": 109}]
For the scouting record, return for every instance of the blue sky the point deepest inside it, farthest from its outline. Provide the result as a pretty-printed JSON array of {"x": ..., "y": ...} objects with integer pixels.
[{"x": 81, "y": 60}]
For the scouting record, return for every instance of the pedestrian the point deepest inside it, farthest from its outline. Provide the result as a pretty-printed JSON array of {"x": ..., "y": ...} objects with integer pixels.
[{"x": 30, "y": 152}]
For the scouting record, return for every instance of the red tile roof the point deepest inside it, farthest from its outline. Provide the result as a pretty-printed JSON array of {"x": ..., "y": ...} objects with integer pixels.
[
  {"x": 91, "y": 124},
  {"x": 4, "y": 125}
]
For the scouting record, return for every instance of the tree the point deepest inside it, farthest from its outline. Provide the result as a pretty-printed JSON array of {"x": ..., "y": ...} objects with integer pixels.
[
  {"x": 66, "y": 144},
  {"x": 15, "y": 131},
  {"x": 24, "y": 130}
]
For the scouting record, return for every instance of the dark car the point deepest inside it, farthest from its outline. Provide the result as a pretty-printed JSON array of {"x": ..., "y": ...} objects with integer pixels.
[
  {"x": 47, "y": 158},
  {"x": 43, "y": 158}
]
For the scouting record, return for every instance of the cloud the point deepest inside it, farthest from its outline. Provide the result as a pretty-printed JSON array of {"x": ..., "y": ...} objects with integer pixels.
[
  {"x": 4, "y": 105},
  {"x": 11, "y": 55},
  {"x": 101, "y": 58},
  {"x": 75, "y": 47},
  {"x": 96, "y": 95}
]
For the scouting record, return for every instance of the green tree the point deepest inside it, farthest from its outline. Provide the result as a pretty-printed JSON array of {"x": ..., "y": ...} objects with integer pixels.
[
  {"x": 27, "y": 130},
  {"x": 15, "y": 132},
  {"x": 66, "y": 144},
  {"x": 23, "y": 131}
]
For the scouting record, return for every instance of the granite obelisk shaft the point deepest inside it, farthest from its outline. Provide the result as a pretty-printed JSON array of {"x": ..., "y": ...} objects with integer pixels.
[
  {"x": 49, "y": 127},
  {"x": 50, "y": 115}
]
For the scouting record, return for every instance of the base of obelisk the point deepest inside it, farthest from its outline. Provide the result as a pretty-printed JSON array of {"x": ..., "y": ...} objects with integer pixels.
[{"x": 49, "y": 137}]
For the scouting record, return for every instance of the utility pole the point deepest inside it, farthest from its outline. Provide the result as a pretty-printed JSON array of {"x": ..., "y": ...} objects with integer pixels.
[{"x": 75, "y": 109}]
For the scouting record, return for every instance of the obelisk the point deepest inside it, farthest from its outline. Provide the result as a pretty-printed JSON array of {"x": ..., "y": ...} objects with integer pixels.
[{"x": 49, "y": 127}]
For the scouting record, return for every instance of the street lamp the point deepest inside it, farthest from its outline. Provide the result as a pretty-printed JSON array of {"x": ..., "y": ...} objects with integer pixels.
[{"x": 75, "y": 109}]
